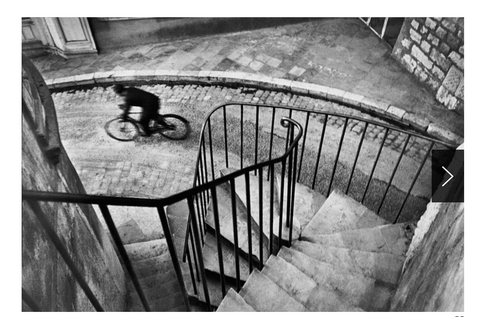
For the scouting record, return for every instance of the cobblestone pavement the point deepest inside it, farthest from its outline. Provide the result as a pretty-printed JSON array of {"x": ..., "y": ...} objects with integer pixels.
[
  {"x": 152, "y": 168},
  {"x": 339, "y": 53}
]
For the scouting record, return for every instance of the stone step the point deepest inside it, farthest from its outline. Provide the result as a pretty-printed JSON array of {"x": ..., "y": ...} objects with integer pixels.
[
  {"x": 177, "y": 215},
  {"x": 233, "y": 302},
  {"x": 393, "y": 239},
  {"x": 170, "y": 302},
  {"x": 145, "y": 250},
  {"x": 130, "y": 232},
  {"x": 151, "y": 266},
  {"x": 162, "y": 294},
  {"x": 224, "y": 198},
  {"x": 214, "y": 287},
  {"x": 254, "y": 189},
  {"x": 362, "y": 291},
  {"x": 316, "y": 297},
  {"x": 210, "y": 257},
  {"x": 307, "y": 202},
  {"x": 341, "y": 213},
  {"x": 264, "y": 295},
  {"x": 384, "y": 267}
]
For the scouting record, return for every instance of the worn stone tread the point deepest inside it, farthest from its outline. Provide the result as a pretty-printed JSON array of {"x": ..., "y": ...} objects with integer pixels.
[
  {"x": 224, "y": 197},
  {"x": 233, "y": 302},
  {"x": 152, "y": 266},
  {"x": 264, "y": 295},
  {"x": 384, "y": 267},
  {"x": 394, "y": 239},
  {"x": 341, "y": 213},
  {"x": 240, "y": 189},
  {"x": 364, "y": 292},
  {"x": 210, "y": 256},
  {"x": 148, "y": 249},
  {"x": 316, "y": 297}
]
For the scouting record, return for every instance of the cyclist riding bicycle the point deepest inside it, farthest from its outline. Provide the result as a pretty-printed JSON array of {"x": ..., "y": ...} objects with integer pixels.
[{"x": 149, "y": 103}]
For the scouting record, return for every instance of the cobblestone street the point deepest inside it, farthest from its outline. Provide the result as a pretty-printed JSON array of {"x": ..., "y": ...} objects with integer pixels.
[{"x": 158, "y": 168}]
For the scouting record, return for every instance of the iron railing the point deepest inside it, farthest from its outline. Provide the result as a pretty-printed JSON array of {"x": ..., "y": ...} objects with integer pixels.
[
  {"x": 191, "y": 197},
  {"x": 341, "y": 152},
  {"x": 241, "y": 146}
]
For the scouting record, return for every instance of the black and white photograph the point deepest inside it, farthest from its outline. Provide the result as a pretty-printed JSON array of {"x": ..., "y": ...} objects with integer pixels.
[{"x": 242, "y": 162}]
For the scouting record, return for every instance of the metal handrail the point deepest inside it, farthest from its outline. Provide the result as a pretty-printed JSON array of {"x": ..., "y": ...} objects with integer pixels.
[
  {"x": 32, "y": 197},
  {"x": 205, "y": 181}
]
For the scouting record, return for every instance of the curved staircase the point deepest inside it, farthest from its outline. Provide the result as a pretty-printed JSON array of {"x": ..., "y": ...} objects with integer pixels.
[{"x": 344, "y": 257}]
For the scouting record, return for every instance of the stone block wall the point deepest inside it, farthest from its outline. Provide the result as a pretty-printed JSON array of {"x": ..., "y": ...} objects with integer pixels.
[
  {"x": 433, "y": 50},
  {"x": 46, "y": 167}
]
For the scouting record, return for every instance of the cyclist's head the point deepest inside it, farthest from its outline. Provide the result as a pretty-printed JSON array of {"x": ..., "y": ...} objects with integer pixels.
[{"x": 118, "y": 88}]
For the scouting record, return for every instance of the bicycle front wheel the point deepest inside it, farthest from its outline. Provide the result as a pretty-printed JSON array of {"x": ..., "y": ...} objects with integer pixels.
[
  {"x": 174, "y": 127},
  {"x": 122, "y": 130}
]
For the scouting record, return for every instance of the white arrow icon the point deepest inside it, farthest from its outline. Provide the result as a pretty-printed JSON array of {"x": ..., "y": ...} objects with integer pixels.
[{"x": 451, "y": 176}]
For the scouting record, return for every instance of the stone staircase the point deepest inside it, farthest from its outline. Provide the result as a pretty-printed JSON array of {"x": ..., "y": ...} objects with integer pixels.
[{"x": 344, "y": 257}]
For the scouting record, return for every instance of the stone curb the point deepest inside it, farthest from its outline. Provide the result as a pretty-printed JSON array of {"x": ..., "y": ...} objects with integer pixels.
[{"x": 378, "y": 107}]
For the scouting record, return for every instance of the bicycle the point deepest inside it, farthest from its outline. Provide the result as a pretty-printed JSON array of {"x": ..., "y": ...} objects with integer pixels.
[{"x": 171, "y": 126}]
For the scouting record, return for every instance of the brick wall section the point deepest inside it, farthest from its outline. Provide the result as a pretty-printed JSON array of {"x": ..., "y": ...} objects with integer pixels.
[
  {"x": 45, "y": 276},
  {"x": 433, "y": 50}
]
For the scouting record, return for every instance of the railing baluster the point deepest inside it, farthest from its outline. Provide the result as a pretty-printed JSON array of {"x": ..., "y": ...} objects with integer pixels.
[
  {"x": 241, "y": 136},
  {"x": 293, "y": 193},
  {"x": 195, "y": 259},
  {"x": 256, "y": 136},
  {"x": 303, "y": 145},
  {"x": 393, "y": 173},
  {"x": 356, "y": 157},
  {"x": 225, "y": 134},
  {"x": 271, "y": 141},
  {"x": 289, "y": 183},
  {"x": 218, "y": 236},
  {"x": 190, "y": 267},
  {"x": 338, "y": 156},
  {"x": 272, "y": 190},
  {"x": 414, "y": 181},
  {"x": 211, "y": 148},
  {"x": 62, "y": 250},
  {"x": 280, "y": 216},
  {"x": 173, "y": 254},
  {"x": 375, "y": 164},
  {"x": 235, "y": 233},
  {"x": 319, "y": 151},
  {"x": 199, "y": 252},
  {"x": 260, "y": 213},
  {"x": 201, "y": 213},
  {"x": 249, "y": 221}
]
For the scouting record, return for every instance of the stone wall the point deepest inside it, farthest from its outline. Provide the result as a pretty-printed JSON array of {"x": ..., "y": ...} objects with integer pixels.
[
  {"x": 433, "y": 50},
  {"x": 46, "y": 167},
  {"x": 433, "y": 274}
]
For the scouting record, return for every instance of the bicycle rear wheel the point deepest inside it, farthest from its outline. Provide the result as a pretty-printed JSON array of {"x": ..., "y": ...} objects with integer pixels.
[
  {"x": 174, "y": 127},
  {"x": 122, "y": 130}
]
